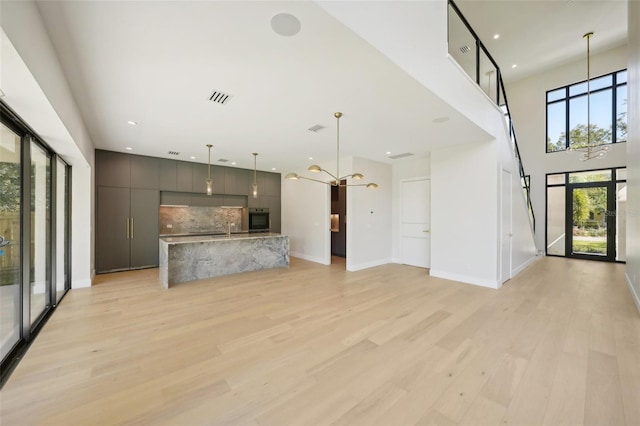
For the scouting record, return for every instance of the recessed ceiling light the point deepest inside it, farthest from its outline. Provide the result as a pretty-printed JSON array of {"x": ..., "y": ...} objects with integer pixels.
[
  {"x": 133, "y": 123},
  {"x": 388, "y": 152},
  {"x": 285, "y": 24},
  {"x": 496, "y": 36},
  {"x": 192, "y": 157},
  {"x": 273, "y": 168},
  {"x": 310, "y": 158},
  {"x": 514, "y": 66},
  {"x": 233, "y": 163},
  {"x": 128, "y": 148},
  {"x": 440, "y": 119}
]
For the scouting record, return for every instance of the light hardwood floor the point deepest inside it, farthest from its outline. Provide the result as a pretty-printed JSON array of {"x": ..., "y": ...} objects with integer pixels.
[{"x": 315, "y": 345}]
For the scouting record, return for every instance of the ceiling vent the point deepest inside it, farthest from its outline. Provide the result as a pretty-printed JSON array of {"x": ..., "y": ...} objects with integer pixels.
[
  {"x": 173, "y": 153},
  {"x": 465, "y": 49},
  {"x": 219, "y": 97},
  {"x": 398, "y": 156},
  {"x": 223, "y": 160},
  {"x": 316, "y": 128}
]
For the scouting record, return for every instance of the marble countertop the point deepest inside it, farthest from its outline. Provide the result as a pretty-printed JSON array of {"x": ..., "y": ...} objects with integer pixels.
[{"x": 223, "y": 237}]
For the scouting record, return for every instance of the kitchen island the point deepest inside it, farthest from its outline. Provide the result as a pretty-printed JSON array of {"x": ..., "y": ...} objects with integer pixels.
[{"x": 192, "y": 258}]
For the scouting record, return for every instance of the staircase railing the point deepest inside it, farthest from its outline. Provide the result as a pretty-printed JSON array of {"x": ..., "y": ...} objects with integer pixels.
[{"x": 483, "y": 69}]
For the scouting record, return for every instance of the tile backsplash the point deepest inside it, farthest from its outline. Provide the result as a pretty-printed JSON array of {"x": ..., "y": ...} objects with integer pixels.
[{"x": 186, "y": 220}]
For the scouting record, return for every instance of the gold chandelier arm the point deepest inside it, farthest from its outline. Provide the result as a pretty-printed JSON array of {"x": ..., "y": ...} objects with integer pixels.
[
  {"x": 330, "y": 174},
  {"x": 315, "y": 180}
]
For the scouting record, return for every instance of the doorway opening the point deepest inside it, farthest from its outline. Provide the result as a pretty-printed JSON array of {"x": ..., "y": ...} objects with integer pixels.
[{"x": 339, "y": 224}]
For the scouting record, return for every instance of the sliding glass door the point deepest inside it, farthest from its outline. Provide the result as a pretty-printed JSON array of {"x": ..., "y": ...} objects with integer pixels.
[
  {"x": 10, "y": 249},
  {"x": 34, "y": 235}
]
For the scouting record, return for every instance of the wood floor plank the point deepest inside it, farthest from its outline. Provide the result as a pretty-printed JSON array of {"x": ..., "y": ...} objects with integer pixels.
[{"x": 314, "y": 344}]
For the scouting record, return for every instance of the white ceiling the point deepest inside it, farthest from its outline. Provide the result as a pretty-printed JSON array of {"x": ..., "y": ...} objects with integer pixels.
[{"x": 156, "y": 63}]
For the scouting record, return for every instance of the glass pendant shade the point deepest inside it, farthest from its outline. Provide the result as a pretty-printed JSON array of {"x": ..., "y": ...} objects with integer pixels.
[
  {"x": 255, "y": 191},
  {"x": 209, "y": 187}
]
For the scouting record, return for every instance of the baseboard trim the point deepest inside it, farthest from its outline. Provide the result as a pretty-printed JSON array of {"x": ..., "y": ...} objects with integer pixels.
[
  {"x": 634, "y": 294},
  {"x": 464, "y": 279},
  {"x": 525, "y": 265},
  {"x": 366, "y": 265},
  {"x": 310, "y": 258}
]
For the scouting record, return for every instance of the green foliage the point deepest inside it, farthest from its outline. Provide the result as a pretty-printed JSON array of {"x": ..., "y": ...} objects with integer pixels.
[
  {"x": 9, "y": 187},
  {"x": 580, "y": 207}
]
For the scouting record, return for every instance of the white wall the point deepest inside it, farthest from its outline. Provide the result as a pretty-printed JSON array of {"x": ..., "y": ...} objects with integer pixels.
[
  {"x": 633, "y": 153},
  {"x": 464, "y": 207},
  {"x": 405, "y": 168},
  {"x": 37, "y": 90},
  {"x": 528, "y": 108},
  {"x": 306, "y": 209},
  {"x": 369, "y": 217}
]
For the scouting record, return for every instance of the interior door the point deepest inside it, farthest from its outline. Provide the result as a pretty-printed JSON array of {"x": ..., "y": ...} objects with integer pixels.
[
  {"x": 506, "y": 225},
  {"x": 415, "y": 212}
]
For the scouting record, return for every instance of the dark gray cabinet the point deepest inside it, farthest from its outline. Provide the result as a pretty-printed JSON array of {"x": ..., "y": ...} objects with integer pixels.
[
  {"x": 145, "y": 172},
  {"x": 175, "y": 198},
  {"x": 183, "y": 176},
  {"x": 168, "y": 175},
  {"x": 242, "y": 181},
  {"x": 234, "y": 200},
  {"x": 204, "y": 200},
  {"x": 113, "y": 169},
  {"x": 275, "y": 213},
  {"x": 127, "y": 228}
]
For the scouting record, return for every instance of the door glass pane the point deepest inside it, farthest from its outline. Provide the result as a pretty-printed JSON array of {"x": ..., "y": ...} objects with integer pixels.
[
  {"x": 556, "y": 179},
  {"x": 10, "y": 191},
  {"x": 40, "y": 225},
  {"x": 621, "y": 174},
  {"x": 556, "y": 220},
  {"x": 61, "y": 228},
  {"x": 590, "y": 221},
  {"x": 621, "y": 222}
]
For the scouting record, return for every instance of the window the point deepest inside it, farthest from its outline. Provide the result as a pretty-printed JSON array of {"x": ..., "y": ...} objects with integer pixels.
[{"x": 567, "y": 113}]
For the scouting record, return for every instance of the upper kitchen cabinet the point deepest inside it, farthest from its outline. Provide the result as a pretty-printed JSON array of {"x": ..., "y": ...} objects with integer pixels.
[
  {"x": 184, "y": 176},
  {"x": 242, "y": 181},
  {"x": 273, "y": 184},
  {"x": 121, "y": 170},
  {"x": 145, "y": 172},
  {"x": 230, "y": 181},
  {"x": 200, "y": 175},
  {"x": 168, "y": 175},
  {"x": 113, "y": 169}
]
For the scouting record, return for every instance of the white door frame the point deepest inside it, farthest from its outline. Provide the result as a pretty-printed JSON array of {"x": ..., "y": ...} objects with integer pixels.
[{"x": 503, "y": 232}]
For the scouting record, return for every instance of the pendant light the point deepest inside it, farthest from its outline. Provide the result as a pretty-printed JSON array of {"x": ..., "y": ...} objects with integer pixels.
[
  {"x": 209, "y": 180},
  {"x": 255, "y": 182},
  {"x": 336, "y": 180}
]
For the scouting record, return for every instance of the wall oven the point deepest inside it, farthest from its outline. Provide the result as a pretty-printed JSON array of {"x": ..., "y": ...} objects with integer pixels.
[{"x": 259, "y": 219}]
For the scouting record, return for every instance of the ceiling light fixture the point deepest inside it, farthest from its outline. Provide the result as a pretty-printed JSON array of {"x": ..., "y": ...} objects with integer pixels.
[
  {"x": 255, "y": 181},
  {"x": 133, "y": 123},
  {"x": 128, "y": 148},
  {"x": 514, "y": 66},
  {"x": 209, "y": 180},
  {"x": 336, "y": 181},
  {"x": 496, "y": 36},
  {"x": 590, "y": 150}
]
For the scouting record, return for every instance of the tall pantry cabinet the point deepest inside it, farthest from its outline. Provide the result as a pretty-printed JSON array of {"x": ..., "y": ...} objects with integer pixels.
[{"x": 127, "y": 208}]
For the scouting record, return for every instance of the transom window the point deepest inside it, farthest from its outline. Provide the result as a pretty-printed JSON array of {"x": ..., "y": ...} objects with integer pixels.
[{"x": 567, "y": 113}]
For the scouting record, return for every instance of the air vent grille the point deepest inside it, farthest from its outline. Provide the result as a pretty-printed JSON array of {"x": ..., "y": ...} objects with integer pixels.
[
  {"x": 397, "y": 156},
  {"x": 223, "y": 160},
  {"x": 173, "y": 153},
  {"x": 316, "y": 128},
  {"x": 219, "y": 97},
  {"x": 465, "y": 49}
]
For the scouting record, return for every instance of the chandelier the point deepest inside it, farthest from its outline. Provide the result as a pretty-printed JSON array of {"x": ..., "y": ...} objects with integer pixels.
[
  {"x": 336, "y": 179},
  {"x": 590, "y": 150}
]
